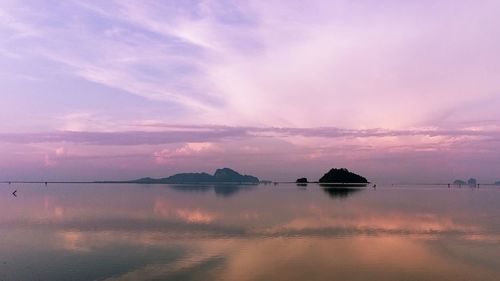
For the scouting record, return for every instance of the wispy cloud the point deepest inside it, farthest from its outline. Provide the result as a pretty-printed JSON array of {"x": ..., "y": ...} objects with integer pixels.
[
  {"x": 254, "y": 63},
  {"x": 201, "y": 134},
  {"x": 166, "y": 155}
]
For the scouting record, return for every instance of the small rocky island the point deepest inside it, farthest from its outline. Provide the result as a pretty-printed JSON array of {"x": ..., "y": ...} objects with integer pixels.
[
  {"x": 459, "y": 182},
  {"x": 301, "y": 180},
  {"x": 224, "y": 175},
  {"x": 343, "y": 177},
  {"x": 472, "y": 182},
  {"x": 340, "y": 177}
]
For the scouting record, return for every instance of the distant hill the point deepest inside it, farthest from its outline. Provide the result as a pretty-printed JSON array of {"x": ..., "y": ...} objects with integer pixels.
[
  {"x": 224, "y": 175},
  {"x": 188, "y": 178},
  {"x": 459, "y": 182},
  {"x": 342, "y": 175},
  {"x": 228, "y": 175},
  {"x": 497, "y": 183}
]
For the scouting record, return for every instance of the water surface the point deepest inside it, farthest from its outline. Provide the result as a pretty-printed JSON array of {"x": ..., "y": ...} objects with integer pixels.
[{"x": 241, "y": 232}]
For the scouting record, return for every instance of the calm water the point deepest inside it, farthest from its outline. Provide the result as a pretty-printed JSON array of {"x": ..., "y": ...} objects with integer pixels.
[{"x": 168, "y": 232}]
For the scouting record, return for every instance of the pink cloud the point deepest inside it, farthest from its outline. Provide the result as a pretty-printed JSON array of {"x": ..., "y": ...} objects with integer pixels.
[
  {"x": 61, "y": 151},
  {"x": 189, "y": 149}
]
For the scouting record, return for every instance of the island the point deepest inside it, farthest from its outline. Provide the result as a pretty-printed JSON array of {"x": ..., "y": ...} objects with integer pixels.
[
  {"x": 301, "y": 182},
  {"x": 497, "y": 183},
  {"x": 459, "y": 182},
  {"x": 342, "y": 177},
  {"x": 472, "y": 182},
  {"x": 223, "y": 175}
]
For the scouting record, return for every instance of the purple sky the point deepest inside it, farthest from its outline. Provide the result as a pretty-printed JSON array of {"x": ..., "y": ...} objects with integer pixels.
[{"x": 394, "y": 90}]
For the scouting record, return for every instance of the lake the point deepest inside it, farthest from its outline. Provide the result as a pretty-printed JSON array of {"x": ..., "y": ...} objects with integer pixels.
[{"x": 242, "y": 232}]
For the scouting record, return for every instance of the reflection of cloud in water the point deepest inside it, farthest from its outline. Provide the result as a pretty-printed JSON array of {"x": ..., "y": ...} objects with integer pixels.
[
  {"x": 312, "y": 259},
  {"x": 300, "y": 250},
  {"x": 183, "y": 269},
  {"x": 377, "y": 223},
  {"x": 195, "y": 216},
  {"x": 95, "y": 240},
  {"x": 200, "y": 226},
  {"x": 176, "y": 219},
  {"x": 75, "y": 241},
  {"x": 321, "y": 259}
]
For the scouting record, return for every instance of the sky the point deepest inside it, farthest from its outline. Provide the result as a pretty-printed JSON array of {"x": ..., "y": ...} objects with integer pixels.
[{"x": 397, "y": 91}]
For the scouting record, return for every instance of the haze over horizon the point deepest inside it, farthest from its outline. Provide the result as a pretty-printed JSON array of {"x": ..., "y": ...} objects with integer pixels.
[{"x": 397, "y": 91}]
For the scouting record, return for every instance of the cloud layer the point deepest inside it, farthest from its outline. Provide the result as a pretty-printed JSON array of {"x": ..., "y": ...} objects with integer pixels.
[{"x": 200, "y": 134}]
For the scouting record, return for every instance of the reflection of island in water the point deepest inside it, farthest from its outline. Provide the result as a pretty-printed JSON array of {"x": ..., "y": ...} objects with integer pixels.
[
  {"x": 223, "y": 190},
  {"x": 340, "y": 192}
]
